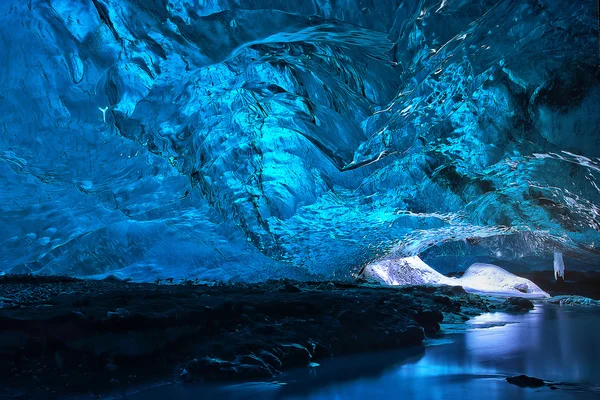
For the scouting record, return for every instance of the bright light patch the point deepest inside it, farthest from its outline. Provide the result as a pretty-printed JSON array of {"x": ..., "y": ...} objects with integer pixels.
[{"x": 478, "y": 278}]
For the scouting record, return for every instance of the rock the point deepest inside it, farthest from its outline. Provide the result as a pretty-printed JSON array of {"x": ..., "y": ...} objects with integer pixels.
[
  {"x": 519, "y": 304},
  {"x": 111, "y": 367},
  {"x": 320, "y": 350},
  {"x": 254, "y": 366},
  {"x": 574, "y": 301},
  {"x": 248, "y": 309},
  {"x": 289, "y": 288},
  {"x": 79, "y": 315},
  {"x": 114, "y": 278},
  {"x": 118, "y": 313},
  {"x": 351, "y": 318},
  {"x": 445, "y": 300},
  {"x": 430, "y": 320},
  {"x": 294, "y": 355},
  {"x": 244, "y": 367},
  {"x": 60, "y": 359},
  {"x": 453, "y": 290},
  {"x": 525, "y": 381},
  {"x": 327, "y": 286},
  {"x": 275, "y": 330},
  {"x": 271, "y": 359},
  {"x": 205, "y": 367},
  {"x": 521, "y": 287}
]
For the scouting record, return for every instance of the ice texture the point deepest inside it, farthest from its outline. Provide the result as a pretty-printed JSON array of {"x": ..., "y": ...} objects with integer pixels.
[
  {"x": 478, "y": 278},
  {"x": 559, "y": 266},
  {"x": 252, "y": 139}
]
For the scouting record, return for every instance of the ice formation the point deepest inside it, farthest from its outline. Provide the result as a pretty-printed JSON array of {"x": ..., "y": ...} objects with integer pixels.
[
  {"x": 478, "y": 278},
  {"x": 559, "y": 266},
  {"x": 251, "y": 139}
]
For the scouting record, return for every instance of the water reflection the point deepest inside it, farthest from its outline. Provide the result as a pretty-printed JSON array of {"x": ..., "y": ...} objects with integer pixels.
[{"x": 553, "y": 343}]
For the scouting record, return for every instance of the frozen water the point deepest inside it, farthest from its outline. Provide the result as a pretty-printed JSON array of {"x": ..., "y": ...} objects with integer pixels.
[
  {"x": 248, "y": 139},
  {"x": 559, "y": 266}
]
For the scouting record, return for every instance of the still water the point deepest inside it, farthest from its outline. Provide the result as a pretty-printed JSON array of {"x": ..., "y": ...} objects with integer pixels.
[{"x": 559, "y": 344}]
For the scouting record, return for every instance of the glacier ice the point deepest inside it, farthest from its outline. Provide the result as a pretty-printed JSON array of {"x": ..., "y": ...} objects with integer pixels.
[
  {"x": 478, "y": 278},
  {"x": 559, "y": 266},
  {"x": 248, "y": 139}
]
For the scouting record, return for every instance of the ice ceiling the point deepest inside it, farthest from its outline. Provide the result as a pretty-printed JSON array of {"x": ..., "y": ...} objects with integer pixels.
[{"x": 250, "y": 139}]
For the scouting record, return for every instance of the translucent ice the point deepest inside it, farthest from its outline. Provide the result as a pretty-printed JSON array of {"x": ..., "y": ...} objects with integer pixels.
[
  {"x": 250, "y": 139},
  {"x": 559, "y": 266}
]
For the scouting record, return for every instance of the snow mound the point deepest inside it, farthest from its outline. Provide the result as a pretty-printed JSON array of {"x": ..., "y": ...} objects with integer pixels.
[
  {"x": 491, "y": 279},
  {"x": 404, "y": 271},
  {"x": 479, "y": 278}
]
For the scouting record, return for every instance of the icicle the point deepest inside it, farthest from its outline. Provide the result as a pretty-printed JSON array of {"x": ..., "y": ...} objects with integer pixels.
[{"x": 559, "y": 266}]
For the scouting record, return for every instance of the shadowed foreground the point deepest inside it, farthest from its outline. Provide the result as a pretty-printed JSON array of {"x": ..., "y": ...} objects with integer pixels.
[{"x": 70, "y": 336}]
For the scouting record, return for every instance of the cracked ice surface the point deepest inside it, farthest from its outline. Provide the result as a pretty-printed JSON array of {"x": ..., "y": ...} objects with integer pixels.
[{"x": 248, "y": 139}]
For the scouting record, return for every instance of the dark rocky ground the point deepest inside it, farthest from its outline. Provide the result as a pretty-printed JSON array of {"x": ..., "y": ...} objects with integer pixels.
[{"x": 63, "y": 336}]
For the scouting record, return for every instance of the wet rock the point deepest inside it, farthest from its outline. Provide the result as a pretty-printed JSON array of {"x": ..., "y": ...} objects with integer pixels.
[
  {"x": 235, "y": 332},
  {"x": 118, "y": 313},
  {"x": 79, "y": 315},
  {"x": 574, "y": 301},
  {"x": 453, "y": 290},
  {"x": 351, "y": 318},
  {"x": 114, "y": 278},
  {"x": 445, "y": 300},
  {"x": 518, "y": 304},
  {"x": 289, "y": 288},
  {"x": 270, "y": 359},
  {"x": 429, "y": 320},
  {"x": 111, "y": 367},
  {"x": 321, "y": 351},
  {"x": 248, "y": 309},
  {"x": 295, "y": 355},
  {"x": 327, "y": 286},
  {"x": 525, "y": 381},
  {"x": 212, "y": 368}
]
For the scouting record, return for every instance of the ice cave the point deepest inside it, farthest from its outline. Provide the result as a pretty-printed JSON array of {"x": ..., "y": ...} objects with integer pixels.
[{"x": 304, "y": 199}]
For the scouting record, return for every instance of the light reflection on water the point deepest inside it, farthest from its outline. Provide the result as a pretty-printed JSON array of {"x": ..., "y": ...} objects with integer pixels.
[{"x": 553, "y": 343}]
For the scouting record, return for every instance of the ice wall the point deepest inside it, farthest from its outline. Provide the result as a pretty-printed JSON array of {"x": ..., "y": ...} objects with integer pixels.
[{"x": 247, "y": 139}]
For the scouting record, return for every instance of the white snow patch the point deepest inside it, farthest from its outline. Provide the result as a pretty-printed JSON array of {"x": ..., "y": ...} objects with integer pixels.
[
  {"x": 491, "y": 279},
  {"x": 479, "y": 278},
  {"x": 405, "y": 271}
]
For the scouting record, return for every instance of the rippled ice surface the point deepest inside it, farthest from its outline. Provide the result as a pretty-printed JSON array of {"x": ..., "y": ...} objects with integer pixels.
[
  {"x": 553, "y": 343},
  {"x": 242, "y": 140}
]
